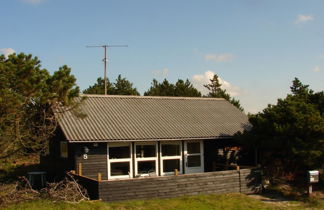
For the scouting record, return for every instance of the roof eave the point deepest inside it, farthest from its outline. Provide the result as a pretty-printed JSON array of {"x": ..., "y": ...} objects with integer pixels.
[{"x": 150, "y": 140}]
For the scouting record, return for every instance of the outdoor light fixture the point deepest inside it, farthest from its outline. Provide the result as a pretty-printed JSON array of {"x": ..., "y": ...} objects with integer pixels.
[{"x": 86, "y": 150}]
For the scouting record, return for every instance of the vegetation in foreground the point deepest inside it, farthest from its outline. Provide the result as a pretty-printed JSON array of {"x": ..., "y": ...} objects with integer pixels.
[{"x": 225, "y": 201}]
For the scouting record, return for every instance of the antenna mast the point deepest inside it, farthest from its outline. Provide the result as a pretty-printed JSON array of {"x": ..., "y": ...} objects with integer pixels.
[{"x": 105, "y": 60}]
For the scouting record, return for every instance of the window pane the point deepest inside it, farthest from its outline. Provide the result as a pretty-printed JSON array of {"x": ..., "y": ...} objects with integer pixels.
[
  {"x": 193, "y": 147},
  {"x": 64, "y": 149},
  {"x": 119, "y": 152},
  {"x": 194, "y": 161},
  {"x": 170, "y": 149},
  {"x": 118, "y": 169},
  {"x": 170, "y": 165},
  {"x": 146, "y": 167},
  {"x": 145, "y": 151}
]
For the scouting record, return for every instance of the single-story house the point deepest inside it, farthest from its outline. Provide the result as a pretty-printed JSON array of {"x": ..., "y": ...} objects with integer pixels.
[{"x": 142, "y": 137}]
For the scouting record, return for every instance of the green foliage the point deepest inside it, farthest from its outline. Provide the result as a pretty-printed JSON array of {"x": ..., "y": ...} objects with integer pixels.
[
  {"x": 215, "y": 91},
  {"x": 28, "y": 95},
  {"x": 290, "y": 134},
  {"x": 181, "y": 88},
  {"x": 121, "y": 87}
]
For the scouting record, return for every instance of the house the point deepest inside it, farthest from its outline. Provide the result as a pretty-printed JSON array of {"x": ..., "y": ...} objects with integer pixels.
[{"x": 132, "y": 137}]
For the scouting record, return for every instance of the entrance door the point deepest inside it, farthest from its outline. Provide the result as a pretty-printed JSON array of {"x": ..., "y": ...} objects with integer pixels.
[{"x": 194, "y": 158}]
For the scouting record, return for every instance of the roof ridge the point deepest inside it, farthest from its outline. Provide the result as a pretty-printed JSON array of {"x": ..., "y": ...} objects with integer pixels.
[{"x": 151, "y": 97}]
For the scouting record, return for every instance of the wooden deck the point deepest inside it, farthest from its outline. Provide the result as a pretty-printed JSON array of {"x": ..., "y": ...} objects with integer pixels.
[{"x": 241, "y": 181}]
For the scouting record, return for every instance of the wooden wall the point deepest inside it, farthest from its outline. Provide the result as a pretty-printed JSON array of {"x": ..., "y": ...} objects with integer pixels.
[
  {"x": 96, "y": 161},
  {"x": 53, "y": 163},
  {"x": 244, "y": 181}
]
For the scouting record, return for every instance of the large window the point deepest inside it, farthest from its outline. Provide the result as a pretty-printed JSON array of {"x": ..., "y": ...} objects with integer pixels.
[
  {"x": 171, "y": 157},
  {"x": 146, "y": 159},
  {"x": 119, "y": 160}
]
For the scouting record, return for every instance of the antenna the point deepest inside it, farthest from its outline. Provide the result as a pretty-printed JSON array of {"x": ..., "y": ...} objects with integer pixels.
[{"x": 105, "y": 60}]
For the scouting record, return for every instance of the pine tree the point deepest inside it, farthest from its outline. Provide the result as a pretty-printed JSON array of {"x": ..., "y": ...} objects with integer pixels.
[
  {"x": 121, "y": 87},
  {"x": 215, "y": 91},
  {"x": 28, "y": 97},
  {"x": 165, "y": 88}
]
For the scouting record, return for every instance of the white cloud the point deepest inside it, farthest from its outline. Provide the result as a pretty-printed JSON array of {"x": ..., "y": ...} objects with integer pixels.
[
  {"x": 164, "y": 72},
  {"x": 33, "y": 1},
  {"x": 199, "y": 80},
  {"x": 224, "y": 57},
  {"x": 303, "y": 19},
  {"x": 316, "y": 69},
  {"x": 7, "y": 51}
]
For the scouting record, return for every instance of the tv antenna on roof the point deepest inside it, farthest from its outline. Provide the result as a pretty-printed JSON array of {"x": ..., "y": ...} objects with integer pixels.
[{"x": 105, "y": 60}]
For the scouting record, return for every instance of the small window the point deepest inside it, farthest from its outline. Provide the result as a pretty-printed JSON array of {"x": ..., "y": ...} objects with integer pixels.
[
  {"x": 193, "y": 147},
  {"x": 119, "y": 152},
  {"x": 194, "y": 161},
  {"x": 64, "y": 149},
  {"x": 170, "y": 165},
  {"x": 120, "y": 168},
  {"x": 146, "y": 167},
  {"x": 143, "y": 151},
  {"x": 170, "y": 150}
]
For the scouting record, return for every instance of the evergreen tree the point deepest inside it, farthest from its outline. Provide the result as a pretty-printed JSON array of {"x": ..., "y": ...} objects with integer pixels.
[
  {"x": 99, "y": 88},
  {"x": 215, "y": 91},
  {"x": 121, "y": 87},
  {"x": 185, "y": 89},
  {"x": 28, "y": 96},
  {"x": 290, "y": 134},
  {"x": 181, "y": 88},
  {"x": 124, "y": 87}
]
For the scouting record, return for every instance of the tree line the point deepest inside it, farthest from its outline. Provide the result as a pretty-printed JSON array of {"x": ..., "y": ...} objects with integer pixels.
[{"x": 122, "y": 86}]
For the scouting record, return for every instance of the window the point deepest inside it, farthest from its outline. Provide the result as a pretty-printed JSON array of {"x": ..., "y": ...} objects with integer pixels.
[
  {"x": 170, "y": 165},
  {"x": 64, "y": 149},
  {"x": 146, "y": 161},
  {"x": 171, "y": 157},
  {"x": 119, "y": 160},
  {"x": 119, "y": 152},
  {"x": 144, "y": 151},
  {"x": 170, "y": 150},
  {"x": 119, "y": 169}
]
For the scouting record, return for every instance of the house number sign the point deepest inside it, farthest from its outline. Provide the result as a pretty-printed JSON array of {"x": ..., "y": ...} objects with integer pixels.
[{"x": 85, "y": 156}]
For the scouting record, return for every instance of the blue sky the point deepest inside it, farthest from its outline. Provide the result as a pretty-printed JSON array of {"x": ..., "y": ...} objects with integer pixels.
[{"x": 257, "y": 47}]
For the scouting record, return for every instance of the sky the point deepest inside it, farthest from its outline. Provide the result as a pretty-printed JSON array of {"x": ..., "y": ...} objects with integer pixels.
[{"x": 256, "y": 47}]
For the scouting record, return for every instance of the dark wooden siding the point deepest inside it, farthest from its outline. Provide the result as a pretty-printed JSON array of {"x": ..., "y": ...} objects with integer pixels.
[
  {"x": 53, "y": 163},
  {"x": 96, "y": 161},
  {"x": 245, "y": 181}
]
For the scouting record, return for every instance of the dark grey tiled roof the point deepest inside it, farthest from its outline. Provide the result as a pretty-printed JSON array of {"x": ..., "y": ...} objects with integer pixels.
[{"x": 124, "y": 118}]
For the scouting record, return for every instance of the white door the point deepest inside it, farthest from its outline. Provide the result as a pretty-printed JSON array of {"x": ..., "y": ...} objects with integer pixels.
[{"x": 194, "y": 157}]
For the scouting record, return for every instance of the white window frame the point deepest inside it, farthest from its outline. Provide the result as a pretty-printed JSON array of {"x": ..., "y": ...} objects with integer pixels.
[
  {"x": 178, "y": 157},
  {"x": 146, "y": 158},
  {"x": 121, "y": 160}
]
